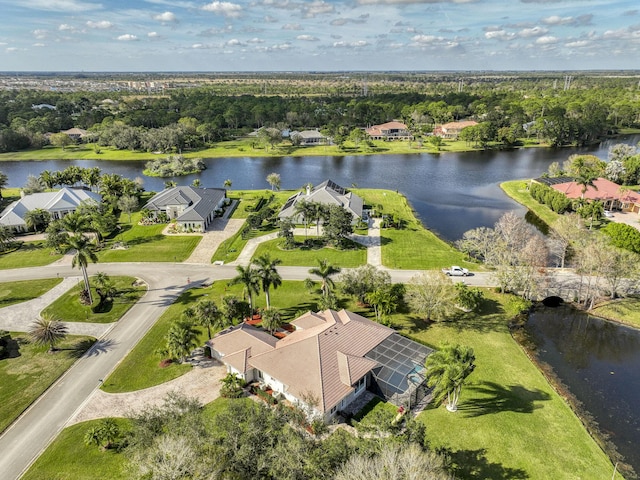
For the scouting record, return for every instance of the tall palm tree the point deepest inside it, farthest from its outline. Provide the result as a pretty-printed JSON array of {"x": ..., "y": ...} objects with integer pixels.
[
  {"x": 48, "y": 332},
  {"x": 587, "y": 180},
  {"x": 268, "y": 274},
  {"x": 305, "y": 210},
  {"x": 76, "y": 222},
  {"x": 325, "y": 270},
  {"x": 247, "y": 276},
  {"x": 84, "y": 254},
  {"x": 181, "y": 340},
  {"x": 447, "y": 370},
  {"x": 208, "y": 315}
]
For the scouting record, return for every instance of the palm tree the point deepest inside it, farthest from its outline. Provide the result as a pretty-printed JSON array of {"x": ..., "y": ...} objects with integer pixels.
[
  {"x": 306, "y": 210},
  {"x": 208, "y": 315},
  {"x": 271, "y": 319},
  {"x": 76, "y": 222},
  {"x": 586, "y": 179},
  {"x": 268, "y": 274},
  {"x": 4, "y": 180},
  {"x": 48, "y": 179},
  {"x": 228, "y": 183},
  {"x": 325, "y": 270},
  {"x": 48, "y": 332},
  {"x": 181, "y": 340},
  {"x": 6, "y": 236},
  {"x": 447, "y": 370},
  {"x": 104, "y": 286},
  {"x": 37, "y": 218},
  {"x": 84, "y": 254},
  {"x": 247, "y": 276}
]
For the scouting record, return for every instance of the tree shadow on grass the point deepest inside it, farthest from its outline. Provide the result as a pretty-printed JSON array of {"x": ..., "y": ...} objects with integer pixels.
[
  {"x": 142, "y": 240},
  {"x": 103, "y": 307},
  {"x": 298, "y": 309},
  {"x": 469, "y": 464},
  {"x": 494, "y": 398}
]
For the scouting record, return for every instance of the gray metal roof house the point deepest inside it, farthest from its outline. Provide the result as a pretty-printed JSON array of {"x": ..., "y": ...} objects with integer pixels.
[
  {"x": 192, "y": 208},
  {"x": 327, "y": 193}
]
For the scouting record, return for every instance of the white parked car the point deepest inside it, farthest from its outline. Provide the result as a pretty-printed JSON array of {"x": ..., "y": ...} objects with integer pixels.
[
  {"x": 608, "y": 213},
  {"x": 455, "y": 271}
]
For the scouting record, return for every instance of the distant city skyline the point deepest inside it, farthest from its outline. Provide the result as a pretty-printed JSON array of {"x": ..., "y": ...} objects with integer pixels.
[{"x": 318, "y": 35}]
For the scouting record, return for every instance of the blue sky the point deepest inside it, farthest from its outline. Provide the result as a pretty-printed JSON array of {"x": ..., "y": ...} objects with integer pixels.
[{"x": 320, "y": 35}]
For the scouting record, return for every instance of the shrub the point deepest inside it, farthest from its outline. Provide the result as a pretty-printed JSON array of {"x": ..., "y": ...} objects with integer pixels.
[{"x": 232, "y": 386}]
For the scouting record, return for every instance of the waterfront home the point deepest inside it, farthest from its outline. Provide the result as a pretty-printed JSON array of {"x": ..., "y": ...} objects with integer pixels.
[
  {"x": 192, "y": 208},
  {"x": 451, "y": 130},
  {"x": 327, "y": 193},
  {"x": 389, "y": 131},
  {"x": 327, "y": 362},
  {"x": 58, "y": 204},
  {"x": 612, "y": 195}
]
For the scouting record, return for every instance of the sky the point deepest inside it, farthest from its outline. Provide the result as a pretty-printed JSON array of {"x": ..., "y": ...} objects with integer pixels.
[{"x": 318, "y": 35}]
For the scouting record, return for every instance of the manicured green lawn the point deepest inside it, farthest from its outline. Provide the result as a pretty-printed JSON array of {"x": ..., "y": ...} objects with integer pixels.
[
  {"x": 68, "y": 458},
  {"x": 230, "y": 249},
  {"x": 305, "y": 256},
  {"x": 510, "y": 422},
  {"x": 147, "y": 244},
  {"x": 30, "y": 370},
  {"x": 518, "y": 190},
  {"x": 623, "y": 310},
  {"x": 69, "y": 309},
  {"x": 412, "y": 247},
  {"x": 22, "y": 291},
  {"x": 28, "y": 254}
]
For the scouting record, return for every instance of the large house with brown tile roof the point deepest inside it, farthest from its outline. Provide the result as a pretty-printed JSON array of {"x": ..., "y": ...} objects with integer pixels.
[
  {"x": 327, "y": 362},
  {"x": 452, "y": 129},
  {"x": 389, "y": 131},
  {"x": 612, "y": 196}
]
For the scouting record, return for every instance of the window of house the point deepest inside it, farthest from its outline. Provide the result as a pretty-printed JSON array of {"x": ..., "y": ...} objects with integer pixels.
[{"x": 333, "y": 410}]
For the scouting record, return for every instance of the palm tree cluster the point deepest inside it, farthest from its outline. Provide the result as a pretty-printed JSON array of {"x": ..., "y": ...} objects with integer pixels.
[{"x": 447, "y": 370}]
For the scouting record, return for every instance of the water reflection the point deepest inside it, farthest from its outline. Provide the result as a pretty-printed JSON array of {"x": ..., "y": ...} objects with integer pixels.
[{"x": 599, "y": 361}]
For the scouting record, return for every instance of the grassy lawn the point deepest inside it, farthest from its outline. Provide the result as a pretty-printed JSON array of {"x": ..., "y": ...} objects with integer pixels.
[
  {"x": 147, "y": 244},
  {"x": 30, "y": 370},
  {"x": 306, "y": 256},
  {"x": 510, "y": 422},
  {"x": 517, "y": 189},
  {"x": 623, "y": 310},
  {"x": 413, "y": 247},
  {"x": 28, "y": 254},
  {"x": 22, "y": 291},
  {"x": 69, "y": 309},
  {"x": 68, "y": 458}
]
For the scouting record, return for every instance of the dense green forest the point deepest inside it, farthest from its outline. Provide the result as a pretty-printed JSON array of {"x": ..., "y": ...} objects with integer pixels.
[{"x": 554, "y": 108}]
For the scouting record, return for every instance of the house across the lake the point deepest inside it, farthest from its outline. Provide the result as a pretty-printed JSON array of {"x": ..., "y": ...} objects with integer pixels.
[
  {"x": 327, "y": 193},
  {"x": 389, "y": 131},
  {"x": 58, "y": 204},
  {"x": 327, "y": 362},
  {"x": 612, "y": 195},
  {"x": 309, "y": 138},
  {"x": 192, "y": 208},
  {"x": 452, "y": 129}
]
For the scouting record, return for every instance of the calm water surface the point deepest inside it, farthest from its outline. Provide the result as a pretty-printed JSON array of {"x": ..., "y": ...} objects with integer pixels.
[
  {"x": 451, "y": 192},
  {"x": 600, "y": 363}
]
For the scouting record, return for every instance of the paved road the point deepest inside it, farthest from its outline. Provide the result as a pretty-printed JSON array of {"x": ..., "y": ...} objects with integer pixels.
[{"x": 39, "y": 425}]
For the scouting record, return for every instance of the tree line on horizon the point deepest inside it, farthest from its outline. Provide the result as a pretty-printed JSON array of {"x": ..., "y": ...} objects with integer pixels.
[{"x": 507, "y": 111}]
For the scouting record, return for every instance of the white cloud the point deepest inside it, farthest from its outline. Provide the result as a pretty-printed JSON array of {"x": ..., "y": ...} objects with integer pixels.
[
  {"x": 227, "y": 9},
  {"x": 73, "y": 6},
  {"x": 40, "y": 34},
  {"x": 39, "y": 45},
  {"x": 234, "y": 42},
  {"x": 423, "y": 39},
  {"x": 292, "y": 26},
  {"x": 307, "y": 38},
  {"x": 270, "y": 19},
  {"x": 317, "y": 7},
  {"x": 580, "y": 20},
  {"x": 356, "y": 44},
  {"x": 255, "y": 40},
  {"x": 101, "y": 25},
  {"x": 153, "y": 35},
  {"x": 409, "y": 2},
  {"x": 127, "y": 37},
  {"x": 499, "y": 35},
  {"x": 547, "y": 40},
  {"x": 577, "y": 44},
  {"x": 13, "y": 49},
  {"x": 533, "y": 32},
  {"x": 66, "y": 28},
  {"x": 166, "y": 17}
]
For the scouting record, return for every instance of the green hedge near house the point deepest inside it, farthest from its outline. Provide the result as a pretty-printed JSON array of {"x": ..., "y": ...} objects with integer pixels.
[{"x": 553, "y": 199}]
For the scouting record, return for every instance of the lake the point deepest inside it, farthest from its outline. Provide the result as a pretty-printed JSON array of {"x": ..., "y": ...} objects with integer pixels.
[
  {"x": 450, "y": 192},
  {"x": 599, "y": 362}
]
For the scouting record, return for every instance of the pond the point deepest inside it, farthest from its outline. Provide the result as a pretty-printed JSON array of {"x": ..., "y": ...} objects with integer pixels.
[
  {"x": 599, "y": 362},
  {"x": 450, "y": 192}
]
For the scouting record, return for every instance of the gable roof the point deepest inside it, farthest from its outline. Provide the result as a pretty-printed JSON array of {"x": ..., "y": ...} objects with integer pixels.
[
  {"x": 64, "y": 199},
  {"x": 385, "y": 128},
  {"x": 198, "y": 203},
  {"x": 327, "y": 193},
  {"x": 238, "y": 343}
]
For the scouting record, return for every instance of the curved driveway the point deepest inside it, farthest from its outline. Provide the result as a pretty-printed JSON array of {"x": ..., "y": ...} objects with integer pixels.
[{"x": 28, "y": 436}]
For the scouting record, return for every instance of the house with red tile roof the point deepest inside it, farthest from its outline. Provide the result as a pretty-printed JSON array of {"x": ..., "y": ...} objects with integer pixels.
[
  {"x": 327, "y": 362},
  {"x": 612, "y": 195},
  {"x": 389, "y": 131}
]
